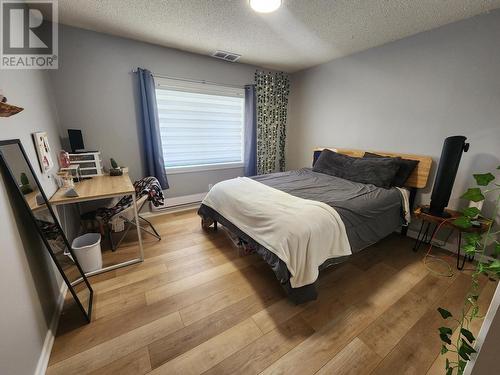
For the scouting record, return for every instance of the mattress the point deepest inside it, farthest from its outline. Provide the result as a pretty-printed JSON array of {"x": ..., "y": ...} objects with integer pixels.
[{"x": 369, "y": 214}]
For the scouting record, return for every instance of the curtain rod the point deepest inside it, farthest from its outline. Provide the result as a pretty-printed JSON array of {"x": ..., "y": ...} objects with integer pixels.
[{"x": 192, "y": 80}]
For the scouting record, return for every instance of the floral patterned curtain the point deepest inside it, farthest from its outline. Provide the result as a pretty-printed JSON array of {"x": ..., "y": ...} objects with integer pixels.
[{"x": 272, "y": 91}]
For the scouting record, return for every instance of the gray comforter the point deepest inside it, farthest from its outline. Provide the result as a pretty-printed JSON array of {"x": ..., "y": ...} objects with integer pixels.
[{"x": 369, "y": 213}]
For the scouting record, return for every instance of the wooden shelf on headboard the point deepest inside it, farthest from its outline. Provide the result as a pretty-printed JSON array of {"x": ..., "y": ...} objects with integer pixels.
[{"x": 418, "y": 179}]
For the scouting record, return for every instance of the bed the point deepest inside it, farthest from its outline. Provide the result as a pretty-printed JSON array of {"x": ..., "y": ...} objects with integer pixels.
[{"x": 368, "y": 213}]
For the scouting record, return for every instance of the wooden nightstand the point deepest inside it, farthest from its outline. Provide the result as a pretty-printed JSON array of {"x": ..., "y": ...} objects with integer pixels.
[{"x": 430, "y": 221}]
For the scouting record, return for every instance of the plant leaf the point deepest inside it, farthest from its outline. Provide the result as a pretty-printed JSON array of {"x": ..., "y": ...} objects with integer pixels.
[
  {"x": 467, "y": 348},
  {"x": 445, "y": 314},
  {"x": 496, "y": 250},
  {"x": 473, "y": 194},
  {"x": 462, "y": 222},
  {"x": 461, "y": 367},
  {"x": 447, "y": 363},
  {"x": 444, "y": 349},
  {"x": 483, "y": 179},
  {"x": 493, "y": 266},
  {"x": 474, "y": 312},
  {"x": 471, "y": 212},
  {"x": 472, "y": 238},
  {"x": 463, "y": 353},
  {"x": 445, "y": 338},
  {"x": 468, "y": 335},
  {"x": 449, "y": 370},
  {"x": 445, "y": 330},
  {"x": 482, "y": 267},
  {"x": 469, "y": 248}
]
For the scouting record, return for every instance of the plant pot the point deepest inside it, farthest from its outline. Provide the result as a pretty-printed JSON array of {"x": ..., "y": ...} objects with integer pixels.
[{"x": 115, "y": 172}]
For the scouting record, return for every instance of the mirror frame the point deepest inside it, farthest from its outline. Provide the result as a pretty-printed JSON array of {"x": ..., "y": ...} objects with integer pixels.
[{"x": 11, "y": 177}]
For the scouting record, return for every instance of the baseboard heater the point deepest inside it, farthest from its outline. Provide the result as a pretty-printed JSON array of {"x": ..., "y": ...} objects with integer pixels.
[{"x": 179, "y": 202}]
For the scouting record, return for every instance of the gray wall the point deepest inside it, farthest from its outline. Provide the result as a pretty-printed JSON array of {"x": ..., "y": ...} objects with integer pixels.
[
  {"x": 406, "y": 96},
  {"x": 95, "y": 91},
  {"x": 28, "y": 287}
]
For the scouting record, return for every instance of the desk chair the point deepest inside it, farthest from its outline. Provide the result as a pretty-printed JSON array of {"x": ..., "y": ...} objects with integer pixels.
[{"x": 146, "y": 189}]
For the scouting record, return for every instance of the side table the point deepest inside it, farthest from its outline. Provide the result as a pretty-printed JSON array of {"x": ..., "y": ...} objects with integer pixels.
[{"x": 431, "y": 223}]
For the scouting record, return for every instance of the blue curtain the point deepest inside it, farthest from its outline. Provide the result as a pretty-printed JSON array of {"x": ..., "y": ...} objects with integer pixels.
[
  {"x": 250, "y": 132},
  {"x": 155, "y": 165}
]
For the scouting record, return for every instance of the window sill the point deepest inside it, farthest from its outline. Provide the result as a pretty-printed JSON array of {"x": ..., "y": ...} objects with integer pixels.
[{"x": 203, "y": 168}]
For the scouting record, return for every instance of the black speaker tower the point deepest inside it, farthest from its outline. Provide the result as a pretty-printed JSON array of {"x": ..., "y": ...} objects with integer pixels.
[{"x": 445, "y": 176}]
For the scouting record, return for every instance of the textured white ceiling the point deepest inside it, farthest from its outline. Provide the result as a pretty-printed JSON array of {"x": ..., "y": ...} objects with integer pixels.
[{"x": 302, "y": 33}]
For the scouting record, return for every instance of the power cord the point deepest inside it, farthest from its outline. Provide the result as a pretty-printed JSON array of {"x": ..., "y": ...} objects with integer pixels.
[{"x": 437, "y": 258}]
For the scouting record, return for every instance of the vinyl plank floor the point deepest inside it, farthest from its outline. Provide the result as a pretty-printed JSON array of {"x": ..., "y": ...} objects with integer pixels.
[{"x": 195, "y": 307}]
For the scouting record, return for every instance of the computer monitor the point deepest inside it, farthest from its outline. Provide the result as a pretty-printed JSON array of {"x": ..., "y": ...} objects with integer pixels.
[{"x": 76, "y": 140}]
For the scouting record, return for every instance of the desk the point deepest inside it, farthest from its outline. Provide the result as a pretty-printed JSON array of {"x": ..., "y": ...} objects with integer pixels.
[{"x": 101, "y": 187}]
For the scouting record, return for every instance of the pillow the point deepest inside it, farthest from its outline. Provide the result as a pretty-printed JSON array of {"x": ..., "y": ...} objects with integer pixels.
[
  {"x": 379, "y": 172},
  {"x": 406, "y": 167}
]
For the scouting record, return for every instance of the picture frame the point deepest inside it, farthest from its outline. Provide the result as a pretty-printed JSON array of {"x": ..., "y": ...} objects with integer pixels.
[{"x": 43, "y": 151}]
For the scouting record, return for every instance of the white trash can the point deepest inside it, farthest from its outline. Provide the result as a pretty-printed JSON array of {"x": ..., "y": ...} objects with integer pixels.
[{"x": 87, "y": 249}]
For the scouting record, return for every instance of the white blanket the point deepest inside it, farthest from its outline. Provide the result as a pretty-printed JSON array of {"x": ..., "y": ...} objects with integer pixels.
[
  {"x": 302, "y": 233},
  {"x": 405, "y": 194}
]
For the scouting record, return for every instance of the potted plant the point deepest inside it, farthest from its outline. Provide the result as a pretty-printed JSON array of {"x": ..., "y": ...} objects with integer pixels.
[{"x": 475, "y": 244}]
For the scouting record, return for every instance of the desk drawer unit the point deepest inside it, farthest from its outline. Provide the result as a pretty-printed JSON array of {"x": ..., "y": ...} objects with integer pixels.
[{"x": 90, "y": 163}]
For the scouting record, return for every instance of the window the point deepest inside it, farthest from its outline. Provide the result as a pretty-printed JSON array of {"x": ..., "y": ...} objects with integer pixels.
[{"x": 201, "y": 125}]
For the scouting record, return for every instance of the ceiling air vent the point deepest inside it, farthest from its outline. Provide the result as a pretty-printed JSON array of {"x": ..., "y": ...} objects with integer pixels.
[{"x": 228, "y": 56}]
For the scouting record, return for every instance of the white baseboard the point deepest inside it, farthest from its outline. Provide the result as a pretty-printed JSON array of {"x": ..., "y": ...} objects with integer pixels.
[
  {"x": 43, "y": 361},
  {"x": 450, "y": 246},
  {"x": 485, "y": 328},
  {"x": 178, "y": 204}
]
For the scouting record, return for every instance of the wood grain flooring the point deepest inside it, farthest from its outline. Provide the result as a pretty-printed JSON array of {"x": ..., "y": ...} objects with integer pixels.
[{"x": 195, "y": 307}]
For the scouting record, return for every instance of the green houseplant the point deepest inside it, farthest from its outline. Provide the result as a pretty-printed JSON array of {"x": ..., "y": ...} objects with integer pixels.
[
  {"x": 474, "y": 244},
  {"x": 25, "y": 184}
]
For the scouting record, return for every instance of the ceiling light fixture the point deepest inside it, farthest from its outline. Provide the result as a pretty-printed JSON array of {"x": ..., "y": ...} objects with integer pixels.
[{"x": 265, "y": 6}]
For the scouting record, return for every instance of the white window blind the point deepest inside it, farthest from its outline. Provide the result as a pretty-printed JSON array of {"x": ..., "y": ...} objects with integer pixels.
[{"x": 200, "y": 124}]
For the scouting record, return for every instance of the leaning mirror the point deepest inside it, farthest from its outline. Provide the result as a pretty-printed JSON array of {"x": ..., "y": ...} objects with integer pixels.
[{"x": 18, "y": 169}]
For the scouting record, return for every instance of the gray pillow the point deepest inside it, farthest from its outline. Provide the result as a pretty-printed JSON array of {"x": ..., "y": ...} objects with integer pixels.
[
  {"x": 377, "y": 171},
  {"x": 406, "y": 167}
]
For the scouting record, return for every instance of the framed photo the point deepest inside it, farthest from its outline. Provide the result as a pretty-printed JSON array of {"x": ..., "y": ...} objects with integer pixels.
[{"x": 43, "y": 151}]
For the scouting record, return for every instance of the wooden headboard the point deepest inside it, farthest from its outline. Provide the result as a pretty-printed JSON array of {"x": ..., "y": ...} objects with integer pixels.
[{"x": 418, "y": 179}]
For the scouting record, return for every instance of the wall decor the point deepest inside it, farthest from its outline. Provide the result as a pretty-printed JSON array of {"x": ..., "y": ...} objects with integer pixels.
[
  {"x": 6, "y": 109},
  {"x": 42, "y": 146}
]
